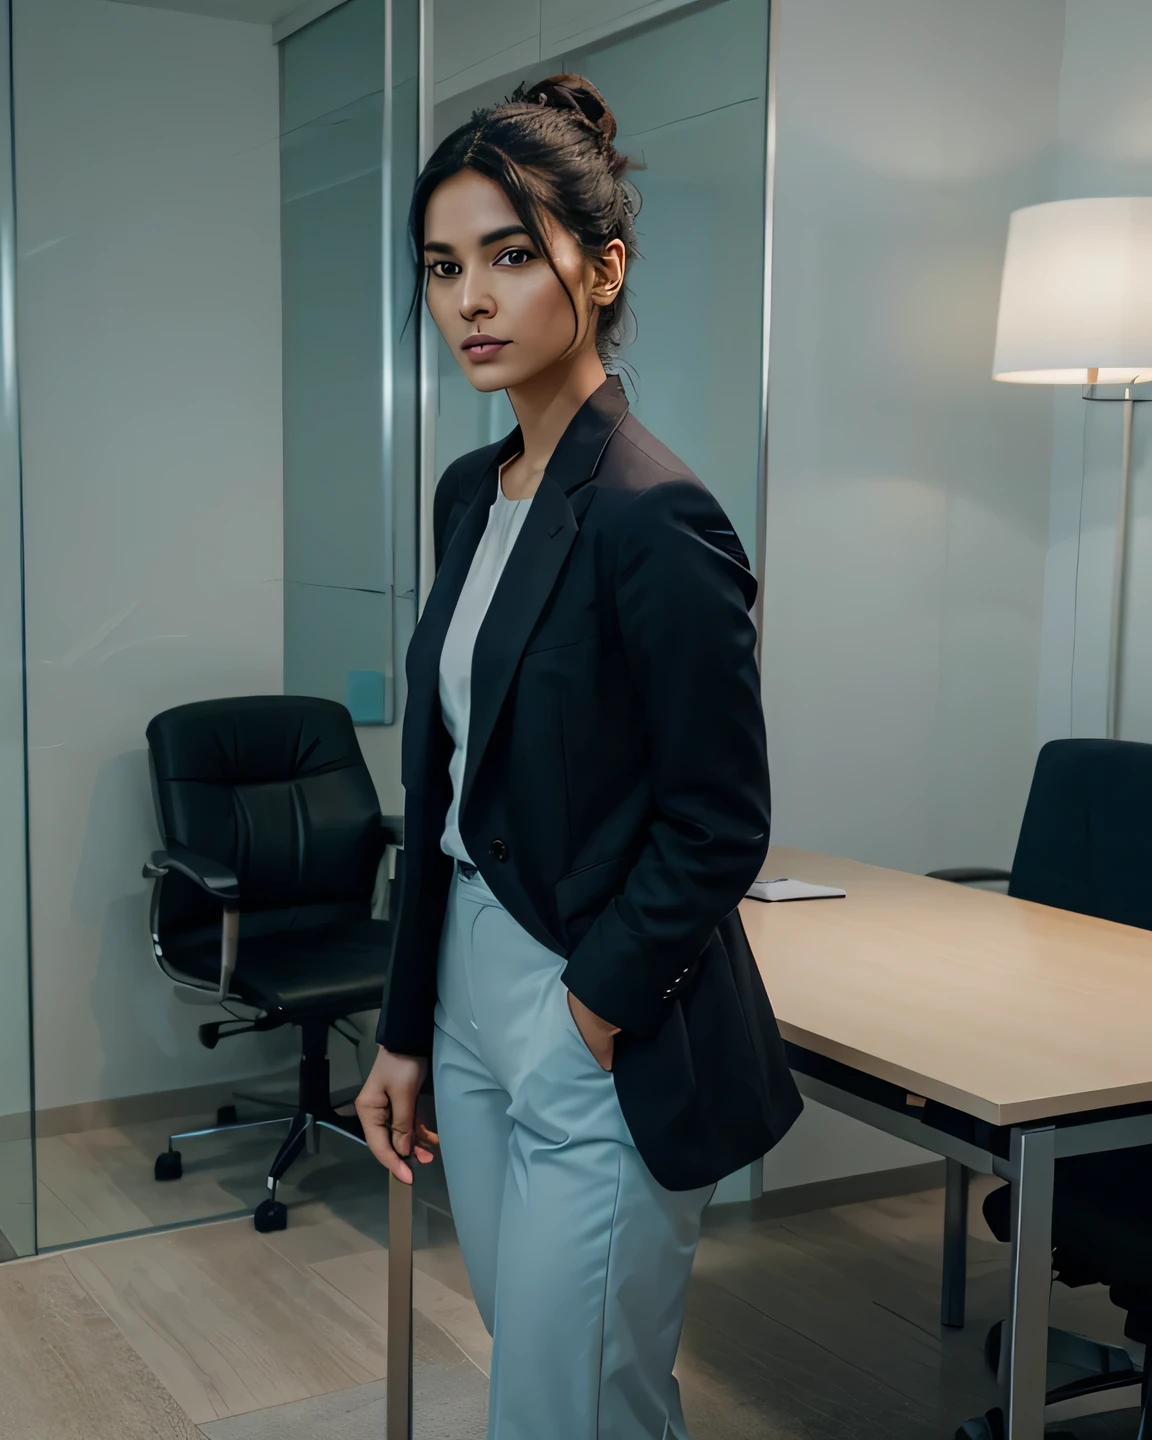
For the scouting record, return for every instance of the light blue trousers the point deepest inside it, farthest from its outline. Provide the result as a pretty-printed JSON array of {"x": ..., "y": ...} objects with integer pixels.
[{"x": 579, "y": 1261}]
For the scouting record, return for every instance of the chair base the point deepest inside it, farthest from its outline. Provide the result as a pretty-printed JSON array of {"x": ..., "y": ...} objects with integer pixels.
[
  {"x": 1099, "y": 1360},
  {"x": 302, "y": 1134},
  {"x": 1114, "y": 1382},
  {"x": 280, "y": 1102},
  {"x": 226, "y": 1127},
  {"x": 316, "y": 1111}
]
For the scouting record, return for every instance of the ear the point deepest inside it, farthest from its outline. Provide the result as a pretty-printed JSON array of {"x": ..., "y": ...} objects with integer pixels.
[{"x": 609, "y": 273}]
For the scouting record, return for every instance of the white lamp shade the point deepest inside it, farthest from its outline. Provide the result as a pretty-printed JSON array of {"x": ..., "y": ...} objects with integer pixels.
[{"x": 1077, "y": 294}]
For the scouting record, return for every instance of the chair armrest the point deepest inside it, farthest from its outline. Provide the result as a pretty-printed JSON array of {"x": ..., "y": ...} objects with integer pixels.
[
  {"x": 393, "y": 827},
  {"x": 969, "y": 875},
  {"x": 217, "y": 880},
  {"x": 210, "y": 875}
]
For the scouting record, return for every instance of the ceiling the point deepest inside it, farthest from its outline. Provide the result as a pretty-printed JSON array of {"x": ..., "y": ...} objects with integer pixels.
[{"x": 255, "y": 12}]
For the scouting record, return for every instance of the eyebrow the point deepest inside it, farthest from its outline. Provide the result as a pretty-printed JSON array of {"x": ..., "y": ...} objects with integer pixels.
[{"x": 490, "y": 239}]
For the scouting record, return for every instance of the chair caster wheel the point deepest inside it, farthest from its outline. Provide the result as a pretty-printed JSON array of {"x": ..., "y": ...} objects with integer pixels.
[
  {"x": 168, "y": 1165},
  {"x": 226, "y": 1115},
  {"x": 270, "y": 1215},
  {"x": 986, "y": 1427}
]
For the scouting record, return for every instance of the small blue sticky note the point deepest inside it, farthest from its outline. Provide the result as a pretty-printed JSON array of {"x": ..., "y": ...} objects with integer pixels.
[{"x": 365, "y": 692}]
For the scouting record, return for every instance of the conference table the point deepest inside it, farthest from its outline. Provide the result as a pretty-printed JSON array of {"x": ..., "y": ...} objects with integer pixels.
[{"x": 995, "y": 1032}]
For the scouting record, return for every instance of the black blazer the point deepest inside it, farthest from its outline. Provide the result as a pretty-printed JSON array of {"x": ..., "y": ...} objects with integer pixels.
[{"x": 616, "y": 795}]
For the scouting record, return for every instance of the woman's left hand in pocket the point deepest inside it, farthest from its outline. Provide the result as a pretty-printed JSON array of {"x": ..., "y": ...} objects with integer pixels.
[{"x": 597, "y": 1034}]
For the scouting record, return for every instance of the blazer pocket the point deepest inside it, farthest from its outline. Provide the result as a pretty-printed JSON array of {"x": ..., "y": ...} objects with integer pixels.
[
  {"x": 557, "y": 640},
  {"x": 590, "y": 886}
]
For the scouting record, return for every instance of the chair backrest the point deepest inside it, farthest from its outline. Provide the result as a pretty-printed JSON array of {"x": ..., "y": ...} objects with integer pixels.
[
  {"x": 276, "y": 788},
  {"x": 1086, "y": 840}
]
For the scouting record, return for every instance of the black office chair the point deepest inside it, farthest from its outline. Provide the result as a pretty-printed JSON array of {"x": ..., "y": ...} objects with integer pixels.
[
  {"x": 263, "y": 893},
  {"x": 1101, "y": 1235},
  {"x": 1085, "y": 844}
]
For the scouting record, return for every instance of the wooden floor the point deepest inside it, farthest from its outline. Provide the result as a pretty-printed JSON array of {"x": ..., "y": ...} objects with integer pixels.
[
  {"x": 805, "y": 1328},
  {"x": 99, "y": 1183}
]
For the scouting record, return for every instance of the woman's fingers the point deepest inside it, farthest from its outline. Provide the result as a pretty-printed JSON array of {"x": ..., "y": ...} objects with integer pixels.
[
  {"x": 378, "y": 1135},
  {"x": 386, "y": 1106},
  {"x": 374, "y": 1109},
  {"x": 403, "y": 1121}
]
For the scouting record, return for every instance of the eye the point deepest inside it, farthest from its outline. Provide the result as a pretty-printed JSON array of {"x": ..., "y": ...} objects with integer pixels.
[
  {"x": 515, "y": 257},
  {"x": 444, "y": 269}
]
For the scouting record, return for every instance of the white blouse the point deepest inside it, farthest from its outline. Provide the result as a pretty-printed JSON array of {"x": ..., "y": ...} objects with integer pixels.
[{"x": 505, "y": 520}]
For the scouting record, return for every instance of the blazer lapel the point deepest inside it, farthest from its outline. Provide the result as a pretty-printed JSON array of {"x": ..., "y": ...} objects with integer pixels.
[{"x": 529, "y": 576}]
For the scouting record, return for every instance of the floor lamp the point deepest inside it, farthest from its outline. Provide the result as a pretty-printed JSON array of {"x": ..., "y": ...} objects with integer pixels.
[{"x": 1076, "y": 309}]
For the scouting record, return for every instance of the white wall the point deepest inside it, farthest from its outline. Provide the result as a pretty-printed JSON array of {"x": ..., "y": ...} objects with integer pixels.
[
  {"x": 907, "y": 492},
  {"x": 149, "y": 312},
  {"x": 1105, "y": 148}
]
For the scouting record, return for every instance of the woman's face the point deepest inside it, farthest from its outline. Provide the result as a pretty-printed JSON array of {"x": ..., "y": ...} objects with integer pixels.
[{"x": 488, "y": 283}]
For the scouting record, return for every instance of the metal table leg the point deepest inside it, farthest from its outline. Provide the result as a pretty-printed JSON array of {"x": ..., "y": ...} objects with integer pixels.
[
  {"x": 1024, "y": 1352},
  {"x": 955, "y": 1244},
  {"x": 399, "y": 1388}
]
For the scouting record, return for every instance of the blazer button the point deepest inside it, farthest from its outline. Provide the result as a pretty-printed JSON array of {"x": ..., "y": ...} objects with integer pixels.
[{"x": 498, "y": 850}]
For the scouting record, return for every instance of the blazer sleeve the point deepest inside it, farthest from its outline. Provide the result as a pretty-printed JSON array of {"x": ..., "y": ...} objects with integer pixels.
[{"x": 683, "y": 594}]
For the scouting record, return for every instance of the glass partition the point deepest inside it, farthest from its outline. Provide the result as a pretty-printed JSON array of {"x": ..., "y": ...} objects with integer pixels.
[
  {"x": 17, "y": 1184},
  {"x": 247, "y": 214},
  {"x": 348, "y": 163}
]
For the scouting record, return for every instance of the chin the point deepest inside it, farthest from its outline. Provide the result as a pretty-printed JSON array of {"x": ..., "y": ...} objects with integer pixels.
[
  {"x": 487, "y": 379},
  {"x": 497, "y": 375}
]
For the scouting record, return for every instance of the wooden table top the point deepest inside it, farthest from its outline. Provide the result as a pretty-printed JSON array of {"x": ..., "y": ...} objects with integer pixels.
[{"x": 1007, "y": 1010}]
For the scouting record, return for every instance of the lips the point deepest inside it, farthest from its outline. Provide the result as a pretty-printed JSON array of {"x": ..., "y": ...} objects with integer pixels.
[{"x": 483, "y": 347}]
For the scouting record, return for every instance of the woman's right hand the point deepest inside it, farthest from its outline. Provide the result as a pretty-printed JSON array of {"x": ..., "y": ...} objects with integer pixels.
[{"x": 386, "y": 1106}]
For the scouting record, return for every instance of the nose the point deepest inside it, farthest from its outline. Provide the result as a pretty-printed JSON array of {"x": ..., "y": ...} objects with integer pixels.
[{"x": 475, "y": 301}]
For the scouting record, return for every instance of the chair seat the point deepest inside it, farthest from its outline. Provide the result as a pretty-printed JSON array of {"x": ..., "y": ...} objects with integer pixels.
[
  {"x": 1101, "y": 1232},
  {"x": 338, "y": 967}
]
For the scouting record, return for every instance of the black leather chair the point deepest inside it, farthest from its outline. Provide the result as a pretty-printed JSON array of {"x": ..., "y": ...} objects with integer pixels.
[
  {"x": 1085, "y": 844},
  {"x": 263, "y": 893}
]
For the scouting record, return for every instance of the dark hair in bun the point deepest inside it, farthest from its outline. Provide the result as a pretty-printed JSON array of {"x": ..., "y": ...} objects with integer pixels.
[{"x": 549, "y": 148}]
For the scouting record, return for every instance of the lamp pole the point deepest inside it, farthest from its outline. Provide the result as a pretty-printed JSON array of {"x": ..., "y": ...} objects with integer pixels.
[
  {"x": 1120, "y": 573},
  {"x": 1120, "y": 564}
]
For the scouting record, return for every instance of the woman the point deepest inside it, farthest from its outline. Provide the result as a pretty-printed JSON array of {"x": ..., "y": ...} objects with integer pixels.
[{"x": 586, "y": 802}]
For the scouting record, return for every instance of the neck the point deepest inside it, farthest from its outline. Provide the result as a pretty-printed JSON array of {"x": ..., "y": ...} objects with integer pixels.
[{"x": 545, "y": 405}]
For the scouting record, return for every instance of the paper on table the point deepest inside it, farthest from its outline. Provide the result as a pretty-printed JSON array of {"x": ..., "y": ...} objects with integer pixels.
[{"x": 792, "y": 890}]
